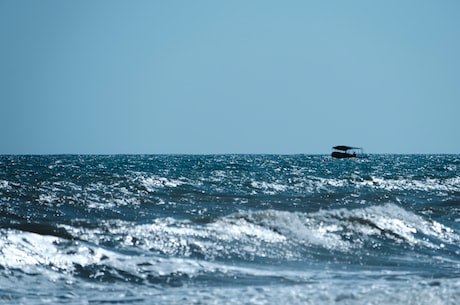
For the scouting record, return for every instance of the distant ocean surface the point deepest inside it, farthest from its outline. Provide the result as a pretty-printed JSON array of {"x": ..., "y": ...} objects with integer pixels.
[{"x": 230, "y": 229}]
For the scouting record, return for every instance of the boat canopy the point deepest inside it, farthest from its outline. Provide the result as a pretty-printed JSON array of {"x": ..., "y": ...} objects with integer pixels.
[{"x": 344, "y": 147}]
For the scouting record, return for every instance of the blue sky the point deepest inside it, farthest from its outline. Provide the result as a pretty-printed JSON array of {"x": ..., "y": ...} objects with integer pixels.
[{"x": 282, "y": 77}]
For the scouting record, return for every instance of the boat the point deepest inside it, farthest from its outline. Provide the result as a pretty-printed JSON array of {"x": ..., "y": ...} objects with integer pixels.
[{"x": 343, "y": 151}]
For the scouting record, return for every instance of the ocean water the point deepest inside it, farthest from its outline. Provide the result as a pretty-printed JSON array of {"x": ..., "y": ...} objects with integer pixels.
[{"x": 230, "y": 229}]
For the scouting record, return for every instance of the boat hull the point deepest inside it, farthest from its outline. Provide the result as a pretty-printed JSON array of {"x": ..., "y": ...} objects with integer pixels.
[{"x": 342, "y": 155}]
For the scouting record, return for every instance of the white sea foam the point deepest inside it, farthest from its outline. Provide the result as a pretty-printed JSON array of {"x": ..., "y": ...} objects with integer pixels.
[
  {"x": 276, "y": 234},
  {"x": 56, "y": 258},
  {"x": 56, "y": 262},
  {"x": 268, "y": 187},
  {"x": 4, "y": 184},
  {"x": 155, "y": 182},
  {"x": 226, "y": 236},
  {"x": 47, "y": 199},
  {"x": 34, "y": 253}
]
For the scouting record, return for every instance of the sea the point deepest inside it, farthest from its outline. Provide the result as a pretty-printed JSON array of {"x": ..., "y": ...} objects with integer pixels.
[{"x": 229, "y": 229}]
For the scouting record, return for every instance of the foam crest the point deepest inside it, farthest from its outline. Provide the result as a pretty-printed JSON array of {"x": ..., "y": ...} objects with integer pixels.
[
  {"x": 37, "y": 254},
  {"x": 268, "y": 187},
  {"x": 276, "y": 235},
  {"x": 228, "y": 236},
  {"x": 28, "y": 251},
  {"x": 59, "y": 259},
  {"x": 5, "y": 185},
  {"x": 372, "y": 227},
  {"x": 153, "y": 183}
]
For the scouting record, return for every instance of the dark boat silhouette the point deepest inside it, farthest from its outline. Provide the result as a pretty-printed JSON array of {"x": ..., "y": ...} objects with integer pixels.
[{"x": 343, "y": 151}]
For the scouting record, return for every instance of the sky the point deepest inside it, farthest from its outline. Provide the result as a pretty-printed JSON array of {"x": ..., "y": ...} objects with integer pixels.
[{"x": 224, "y": 77}]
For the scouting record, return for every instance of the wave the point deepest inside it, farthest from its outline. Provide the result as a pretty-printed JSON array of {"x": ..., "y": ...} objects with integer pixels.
[{"x": 169, "y": 251}]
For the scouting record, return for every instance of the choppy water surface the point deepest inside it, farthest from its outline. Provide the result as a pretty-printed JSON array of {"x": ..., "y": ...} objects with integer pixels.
[{"x": 242, "y": 229}]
